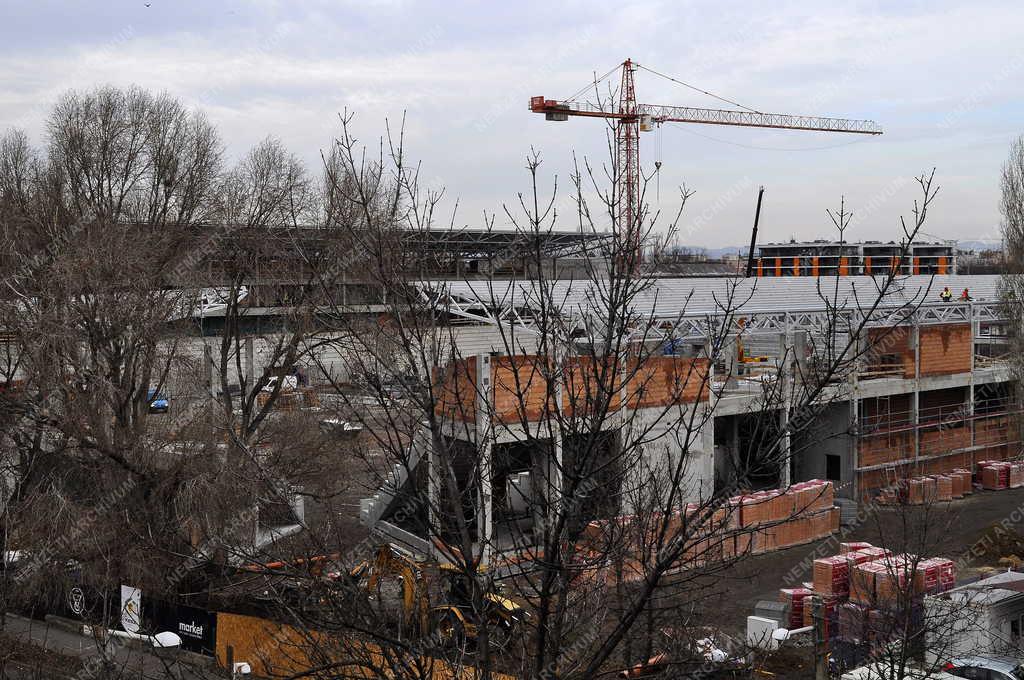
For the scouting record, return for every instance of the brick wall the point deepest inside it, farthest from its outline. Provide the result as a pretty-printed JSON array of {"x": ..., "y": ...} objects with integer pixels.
[
  {"x": 664, "y": 381},
  {"x": 942, "y": 439},
  {"x": 996, "y": 430},
  {"x": 521, "y": 389},
  {"x": 884, "y": 448},
  {"x": 945, "y": 349},
  {"x": 455, "y": 387}
]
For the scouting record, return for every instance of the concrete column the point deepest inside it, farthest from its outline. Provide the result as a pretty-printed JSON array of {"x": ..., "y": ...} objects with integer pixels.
[
  {"x": 787, "y": 374},
  {"x": 734, "y": 449},
  {"x": 854, "y": 439},
  {"x": 915, "y": 396},
  {"x": 484, "y": 444},
  {"x": 554, "y": 467},
  {"x": 434, "y": 527},
  {"x": 208, "y": 370},
  {"x": 250, "y": 362},
  {"x": 970, "y": 388},
  {"x": 706, "y": 484}
]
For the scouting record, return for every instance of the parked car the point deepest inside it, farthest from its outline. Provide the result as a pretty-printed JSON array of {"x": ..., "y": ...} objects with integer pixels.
[
  {"x": 986, "y": 668},
  {"x": 881, "y": 670},
  {"x": 157, "y": 402}
]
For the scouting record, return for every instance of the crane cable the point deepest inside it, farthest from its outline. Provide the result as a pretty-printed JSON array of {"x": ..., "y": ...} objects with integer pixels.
[
  {"x": 693, "y": 87},
  {"x": 593, "y": 84}
]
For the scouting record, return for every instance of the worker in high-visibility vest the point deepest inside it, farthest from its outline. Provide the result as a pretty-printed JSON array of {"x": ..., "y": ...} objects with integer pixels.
[{"x": 946, "y": 295}]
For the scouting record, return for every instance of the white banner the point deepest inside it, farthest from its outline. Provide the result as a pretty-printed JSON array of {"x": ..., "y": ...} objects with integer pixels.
[{"x": 131, "y": 609}]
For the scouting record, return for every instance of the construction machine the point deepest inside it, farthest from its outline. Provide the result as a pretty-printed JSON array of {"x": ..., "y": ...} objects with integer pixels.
[{"x": 452, "y": 619}]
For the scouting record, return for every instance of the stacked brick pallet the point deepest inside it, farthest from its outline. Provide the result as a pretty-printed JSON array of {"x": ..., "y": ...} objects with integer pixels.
[
  {"x": 861, "y": 587},
  {"x": 1000, "y": 474},
  {"x": 928, "y": 489},
  {"x": 795, "y": 599},
  {"x": 772, "y": 520},
  {"x": 753, "y": 523}
]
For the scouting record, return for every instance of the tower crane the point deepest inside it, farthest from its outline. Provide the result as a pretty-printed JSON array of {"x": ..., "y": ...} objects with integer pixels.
[{"x": 632, "y": 118}]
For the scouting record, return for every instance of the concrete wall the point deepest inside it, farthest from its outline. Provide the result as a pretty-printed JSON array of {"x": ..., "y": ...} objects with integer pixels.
[{"x": 826, "y": 435}]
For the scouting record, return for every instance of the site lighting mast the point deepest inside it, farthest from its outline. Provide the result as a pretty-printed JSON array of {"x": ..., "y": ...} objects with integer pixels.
[{"x": 632, "y": 118}]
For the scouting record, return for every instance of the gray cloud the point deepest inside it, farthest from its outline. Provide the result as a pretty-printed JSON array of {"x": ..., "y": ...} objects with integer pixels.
[{"x": 938, "y": 76}]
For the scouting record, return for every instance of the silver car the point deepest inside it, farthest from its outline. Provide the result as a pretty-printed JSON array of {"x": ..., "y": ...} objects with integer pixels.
[{"x": 986, "y": 668}]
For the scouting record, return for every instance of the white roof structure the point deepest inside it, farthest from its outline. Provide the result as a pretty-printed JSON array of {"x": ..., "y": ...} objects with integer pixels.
[{"x": 771, "y": 303}]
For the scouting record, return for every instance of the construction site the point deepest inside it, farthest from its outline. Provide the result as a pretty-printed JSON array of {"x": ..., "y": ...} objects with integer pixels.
[
  {"x": 931, "y": 394},
  {"x": 537, "y": 451}
]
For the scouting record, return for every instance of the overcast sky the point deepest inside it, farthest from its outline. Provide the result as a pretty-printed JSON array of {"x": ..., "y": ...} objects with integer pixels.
[{"x": 945, "y": 80}]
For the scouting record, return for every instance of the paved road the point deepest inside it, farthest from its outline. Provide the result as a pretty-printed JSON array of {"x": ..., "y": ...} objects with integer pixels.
[{"x": 126, "y": 660}]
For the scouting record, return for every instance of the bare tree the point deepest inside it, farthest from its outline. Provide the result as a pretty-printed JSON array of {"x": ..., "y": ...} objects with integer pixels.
[{"x": 616, "y": 531}]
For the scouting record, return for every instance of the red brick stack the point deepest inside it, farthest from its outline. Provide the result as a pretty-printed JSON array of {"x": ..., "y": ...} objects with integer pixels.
[
  {"x": 912, "y": 491},
  {"x": 828, "y": 613},
  {"x": 852, "y": 546},
  {"x": 832, "y": 576},
  {"x": 966, "y": 478},
  {"x": 751, "y": 523},
  {"x": 943, "y": 487},
  {"x": 859, "y": 588},
  {"x": 934, "y": 575},
  {"x": 852, "y": 622},
  {"x": 863, "y": 582},
  {"x": 795, "y": 597},
  {"x": 891, "y": 582},
  {"x": 1016, "y": 475},
  {"x": 867, "y": 554},
  {"x": 994, "y": 475},
  {"x": 958, "y": 485}
]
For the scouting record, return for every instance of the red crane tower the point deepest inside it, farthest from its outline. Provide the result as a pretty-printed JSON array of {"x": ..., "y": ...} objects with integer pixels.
[{"x": 631, "y": 118}]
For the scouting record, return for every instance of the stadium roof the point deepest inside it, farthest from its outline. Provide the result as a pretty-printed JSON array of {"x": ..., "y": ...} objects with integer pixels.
[
  {"x": 672, "y": 299},
  {"x": 491, "y": 242}
]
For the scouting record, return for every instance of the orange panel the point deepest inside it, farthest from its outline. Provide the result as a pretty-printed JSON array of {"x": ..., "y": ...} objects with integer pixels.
[
  {"x": 760, "y": 267},
  {"x": 778, "y": 266},
  {"x": 867, "y": 265},
  {"x": 842, "y": 266},
  {"x": 917, "y": 265},
  {"x": 814, "y": 265},
  {"x": 796, "y": 266},
  {"x": 942, "y": 264}
]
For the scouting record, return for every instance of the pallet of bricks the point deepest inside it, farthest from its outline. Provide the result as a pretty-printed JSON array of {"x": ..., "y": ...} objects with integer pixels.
[
  {"x": 928, "y": 489},
  {"x": 753, "y": 523},
  {"x": 995, "y": 475},
  {"x": 860, "y": 588},
  {"x": 772, "y": 520}
]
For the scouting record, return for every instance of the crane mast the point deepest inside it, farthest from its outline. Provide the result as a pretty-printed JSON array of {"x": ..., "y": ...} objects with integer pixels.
[
  {"x": 631, "y": 118},
  {"x": 627, "y": 163}
]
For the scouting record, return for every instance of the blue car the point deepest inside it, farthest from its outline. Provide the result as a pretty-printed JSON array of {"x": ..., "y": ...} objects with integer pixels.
[{"x": 157, "y": 402}]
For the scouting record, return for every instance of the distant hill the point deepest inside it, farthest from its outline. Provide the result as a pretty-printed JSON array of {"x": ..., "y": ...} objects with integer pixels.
[
  {"x": 716, "y": 253},
  {"x": 978, "y": 246}
]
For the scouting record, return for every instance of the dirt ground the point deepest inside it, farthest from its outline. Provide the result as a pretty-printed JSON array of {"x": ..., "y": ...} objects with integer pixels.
[{"x": 965, "y": 524}]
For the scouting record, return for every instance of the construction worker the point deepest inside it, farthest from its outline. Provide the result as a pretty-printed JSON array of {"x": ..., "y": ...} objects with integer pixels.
[
  {"x": 946, "y": 295},
  {"x": 965, "y": 296}
]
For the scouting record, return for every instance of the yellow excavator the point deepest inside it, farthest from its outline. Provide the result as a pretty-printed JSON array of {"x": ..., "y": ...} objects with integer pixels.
[{"x": 451, "y": 620}]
